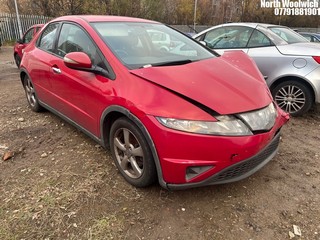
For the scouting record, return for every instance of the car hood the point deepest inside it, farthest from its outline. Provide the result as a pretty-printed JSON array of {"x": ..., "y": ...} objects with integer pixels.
[
  {"x": 228, "y": 84},
  {"x": 300, "y": 49}
]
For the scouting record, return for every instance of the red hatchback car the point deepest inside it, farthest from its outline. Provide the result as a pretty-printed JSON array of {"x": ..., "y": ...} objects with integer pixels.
[
  {"x": 187, "y": 118},
  {"x": 24, "y": 41}
]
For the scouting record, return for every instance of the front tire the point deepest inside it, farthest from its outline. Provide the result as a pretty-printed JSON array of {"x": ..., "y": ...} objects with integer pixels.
[
  {"x": 31, "y": 95},
  {"x": 131, "y": 153},
  {"x": 293, "y": 97}
]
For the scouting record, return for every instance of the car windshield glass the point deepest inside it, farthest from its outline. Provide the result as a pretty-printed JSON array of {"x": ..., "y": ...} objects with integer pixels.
[
  {"x": 140, "y": 45},
  {"x": 288, "y": 35}
]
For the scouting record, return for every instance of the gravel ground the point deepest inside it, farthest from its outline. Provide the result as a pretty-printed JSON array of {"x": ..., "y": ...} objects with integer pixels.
[{"x": 58, "y": 184}]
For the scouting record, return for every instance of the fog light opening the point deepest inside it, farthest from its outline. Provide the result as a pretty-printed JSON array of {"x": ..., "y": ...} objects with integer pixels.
[{"x": 195, "y": 171}]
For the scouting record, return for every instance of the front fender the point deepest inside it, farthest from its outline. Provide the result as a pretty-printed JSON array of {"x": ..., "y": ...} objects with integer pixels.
[{"x": 113, "y": 112}]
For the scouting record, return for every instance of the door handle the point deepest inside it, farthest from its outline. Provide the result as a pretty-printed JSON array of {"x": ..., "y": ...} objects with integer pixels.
[{"x": 56, "y": 70}]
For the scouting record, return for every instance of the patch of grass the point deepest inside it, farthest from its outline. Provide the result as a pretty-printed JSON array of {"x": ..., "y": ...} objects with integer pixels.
[
  {"x": 110, "y": 227},
  {"x": 9, "y": 42},
  {"x": 5, "y": 232}
]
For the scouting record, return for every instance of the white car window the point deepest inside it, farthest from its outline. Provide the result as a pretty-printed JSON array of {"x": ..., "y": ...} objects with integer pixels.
[
  {"x": 228, "y": 37},
  {"x": 258, "y": 39}
]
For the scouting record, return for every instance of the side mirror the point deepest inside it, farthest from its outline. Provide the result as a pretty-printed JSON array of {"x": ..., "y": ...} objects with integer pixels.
[
  {"x": 20, "y": 41},
  {"x": 81, "y": 61},
  {"x": 78, "y": 60}
]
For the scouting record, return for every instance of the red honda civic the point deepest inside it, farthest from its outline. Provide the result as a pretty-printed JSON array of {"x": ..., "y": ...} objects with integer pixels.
[{"x": 184, "y": 116}]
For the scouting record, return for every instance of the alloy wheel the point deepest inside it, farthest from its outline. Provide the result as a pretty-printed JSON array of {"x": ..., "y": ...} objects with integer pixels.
[
  {"x": 290, "y": 98},
  {"x": 31, "y": 95},
  {"x": 129, "y": 153}
]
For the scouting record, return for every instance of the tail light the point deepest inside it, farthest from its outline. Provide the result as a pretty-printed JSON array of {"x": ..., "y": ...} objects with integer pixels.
[{"x": 316, "y": 58}]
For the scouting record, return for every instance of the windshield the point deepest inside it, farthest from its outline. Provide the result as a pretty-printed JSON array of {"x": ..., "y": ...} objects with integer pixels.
[
  {"x": 288, "y": 35},
  {"x": 140, "y": 45}
]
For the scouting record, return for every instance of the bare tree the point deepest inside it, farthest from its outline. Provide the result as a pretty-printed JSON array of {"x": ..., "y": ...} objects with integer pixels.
[{"x": 209, "y": 12}]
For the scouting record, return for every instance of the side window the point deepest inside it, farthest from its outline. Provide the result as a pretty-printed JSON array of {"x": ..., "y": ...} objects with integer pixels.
[
  {"x": 28, "y": 36},
  {"x": 73, "y": 39},
  {"x": 228, "y": 37},
  {"x": 212, "y": 37},
  {"x": 48, "y": 36},
  {"x": 315, "y": 39},
  {"x": 308, "y": 37},
  {"x": 258, "y": 39}
]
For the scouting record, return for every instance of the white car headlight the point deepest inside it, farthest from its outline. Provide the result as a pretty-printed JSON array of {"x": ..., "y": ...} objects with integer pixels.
[
  {"x": 260, "y": 120},
  {"x": 226, "y": 125}
]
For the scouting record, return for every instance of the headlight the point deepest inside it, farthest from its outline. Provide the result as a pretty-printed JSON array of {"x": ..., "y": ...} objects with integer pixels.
[
  {"x": 226, "y": 125},
  {"x": 260, "y": 120}
]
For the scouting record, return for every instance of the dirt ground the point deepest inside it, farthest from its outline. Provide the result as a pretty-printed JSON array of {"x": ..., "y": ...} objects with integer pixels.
[{"x": 60, "y": 184}]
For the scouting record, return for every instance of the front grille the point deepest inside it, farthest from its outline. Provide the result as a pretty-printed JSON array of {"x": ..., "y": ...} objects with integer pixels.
[{"x": 239, "y": 169}]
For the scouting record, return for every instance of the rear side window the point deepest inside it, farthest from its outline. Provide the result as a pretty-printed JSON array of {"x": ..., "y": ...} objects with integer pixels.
[
  {"x": 47, "y": 38},
  {"x": 258, "y": 39},
  {"x": 314, "y": 39},
  {"x": 28, "y": 36},
  {"x": 310, "y": 38},
  {"x": 307, "y": 37}
]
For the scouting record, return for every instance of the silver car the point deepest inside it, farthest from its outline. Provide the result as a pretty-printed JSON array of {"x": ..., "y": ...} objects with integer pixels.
[{"x": 289, "y": 63}]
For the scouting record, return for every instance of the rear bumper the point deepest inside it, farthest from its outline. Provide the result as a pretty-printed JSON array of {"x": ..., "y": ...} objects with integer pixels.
[
  {"x": 239, "y": 170},
  {"x": 314, "y": 79}
]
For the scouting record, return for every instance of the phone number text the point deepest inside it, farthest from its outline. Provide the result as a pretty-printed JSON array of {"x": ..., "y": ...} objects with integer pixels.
[{"x": 296, "y": 11}]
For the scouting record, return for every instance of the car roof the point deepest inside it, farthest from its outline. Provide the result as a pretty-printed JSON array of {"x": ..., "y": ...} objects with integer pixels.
[
  {"x": 251, "y": 24},
  {"x": 38, "y": 25},
  {"x": 102, "y": 18},
  {"x": 246, "y": 24}
]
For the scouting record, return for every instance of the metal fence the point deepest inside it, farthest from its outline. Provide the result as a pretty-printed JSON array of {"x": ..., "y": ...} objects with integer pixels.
[{"x": 9, "y": 29}]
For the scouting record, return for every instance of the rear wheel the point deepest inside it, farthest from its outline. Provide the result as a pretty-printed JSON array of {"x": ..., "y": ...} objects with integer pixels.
[
  {"x": 293, "y": 97},
  {"x": 31, "y": 95},
  {"x": 131, "y": 153},
  {"x": 17, "y": 59}
]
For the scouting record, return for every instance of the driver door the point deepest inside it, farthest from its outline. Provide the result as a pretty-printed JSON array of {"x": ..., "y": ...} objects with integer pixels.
[{"x": 79, "y": 94}]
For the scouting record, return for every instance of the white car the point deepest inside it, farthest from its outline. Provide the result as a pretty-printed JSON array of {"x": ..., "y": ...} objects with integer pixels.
[{"x": 160, "y": 40}]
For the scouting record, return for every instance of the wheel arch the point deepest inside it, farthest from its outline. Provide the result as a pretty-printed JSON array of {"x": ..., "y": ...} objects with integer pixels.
[
  {"x": 110, "y": 115},
  {"x": 23, "y": 73},
  {"x": 293, "y": 78}
]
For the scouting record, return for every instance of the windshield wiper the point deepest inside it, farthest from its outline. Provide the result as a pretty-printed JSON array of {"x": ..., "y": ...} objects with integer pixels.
[{"x": 169, "y": 63}]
